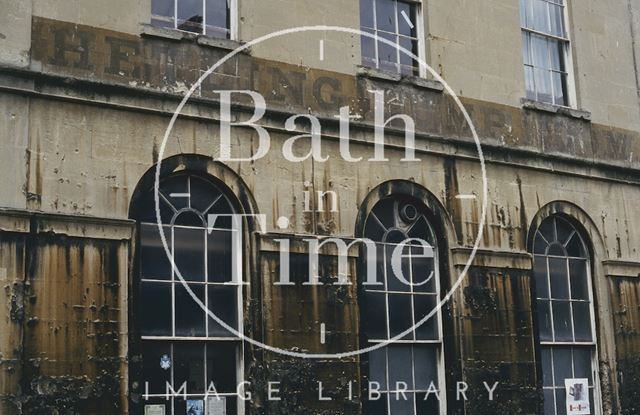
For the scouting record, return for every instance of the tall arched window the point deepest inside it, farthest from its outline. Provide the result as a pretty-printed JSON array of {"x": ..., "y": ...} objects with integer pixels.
[
  {"x": 565, "y": 311},
  {"x": 181, "y": 345},
  {"x": 410, "y": 370}
]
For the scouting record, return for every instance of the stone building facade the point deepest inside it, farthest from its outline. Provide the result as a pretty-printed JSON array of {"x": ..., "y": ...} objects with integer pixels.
[{"x": 544, "y": 287}]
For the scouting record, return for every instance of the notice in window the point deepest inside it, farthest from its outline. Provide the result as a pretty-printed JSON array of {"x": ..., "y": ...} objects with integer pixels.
[
  {"x": 217, "y": 405},
  {"x": 154, "y": 410},
  {"x": 195, "y": 407},
  {"x": 577, "y": 396}
]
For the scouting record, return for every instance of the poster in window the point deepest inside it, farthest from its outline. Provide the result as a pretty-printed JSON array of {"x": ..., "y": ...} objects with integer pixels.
[
  {"x": 577, "y": 396},
  {"x": 195, "y": 407},
  {"x": 217, "y": 405},
  {"x": 154, "y": 410}
]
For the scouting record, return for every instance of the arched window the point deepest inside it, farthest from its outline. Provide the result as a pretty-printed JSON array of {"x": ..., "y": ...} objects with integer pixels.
[
  {"x": 182, "y": 347},
  {"x": 409, "y": 372},
  {"x": 565, "y": 312}
]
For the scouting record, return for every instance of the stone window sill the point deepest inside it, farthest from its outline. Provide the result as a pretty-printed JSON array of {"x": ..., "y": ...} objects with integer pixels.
[
  {"x": 181, "y": 35},
  {"x": 431, "y": 84},
  {"x": 555, "y": 109}
]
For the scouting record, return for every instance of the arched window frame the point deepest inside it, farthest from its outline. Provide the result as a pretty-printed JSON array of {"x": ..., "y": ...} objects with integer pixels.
[
  {"x": 143, "y": 210},
  {"x": 407, "y": 191},
  {"x": 546, "y": 348}
]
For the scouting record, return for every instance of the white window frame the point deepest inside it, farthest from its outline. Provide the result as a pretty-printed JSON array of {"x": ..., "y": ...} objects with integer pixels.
[
  {"x": 233, "y": 18},
  {"x": 591, "y": 345},
  {"x": 567, "y": 55},
  {"x": 203, "y": 340},
  {"x": 438, "y": 343},
  {"x": 420, "y": 35}
]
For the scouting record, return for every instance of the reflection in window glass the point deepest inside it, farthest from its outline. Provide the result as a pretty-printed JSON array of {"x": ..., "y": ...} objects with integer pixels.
[
  {"x": 181, "y": 343},
  {"x": 565, "y": 321},
  {"x": 391, "y": 309},
  {"x": 397, "y": 22},
  {"x": 209, "y": 17},
  {"x": 545, "y": 47}
]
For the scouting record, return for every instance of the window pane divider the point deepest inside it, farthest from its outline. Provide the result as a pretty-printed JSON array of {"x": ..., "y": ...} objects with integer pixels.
[
  {"x": 547, "y": 35},
  {"x": 195, "y": 339}
]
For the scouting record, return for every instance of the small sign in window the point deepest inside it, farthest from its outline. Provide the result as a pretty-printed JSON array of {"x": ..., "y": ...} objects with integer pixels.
[
  {"x": 577, "y": 396},
  {"x": 154, "y": 410},
  {"x": 217, "y": 405}
]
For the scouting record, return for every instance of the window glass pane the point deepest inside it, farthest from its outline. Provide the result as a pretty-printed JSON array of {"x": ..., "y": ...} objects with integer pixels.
[
  {"x": 376, "y": 407},
  {"x": 556, "y": 51},
  {"x": 526, "y": 48},
  {"x": 189, "y": 366},
  {"x": 420, "y": 229},
  {"x": 559, "y": 97},
  {"x": 380, "y": 267},
  {"x": 562, "y": 365},
  {"x": 523, "y": 13},
  {"x": 404, "y": 28},
  {"x": 563, "y": 229},
  {"x": 547, "y": 230},
  {"x": 582, "y": 321},
  {"x": 544, "y": 320},
  {"x": 401, "y": 403},
  {"x": 400, "y": 366},
  {"x": 426, "y": 366},
  {"x": 575, "y": 247},
  {"x": 203, "y": 196},
  {"x": 221, "y": 366},
  {"x": 540, "y": 54},
  {"x": 427, "y": 403},
  {"x": 155, "y": 357},
  {"x": 549, "y": 405},
  {"x": 375, "y": 319},
  {"x": 423, "y": 305},
  {"x": 217, "y": 18},
  {"x": 540, "y": 17},
  {"x": 582, "y": 363},
  {"x": 154, "y": 261},
  {"x": 366, "y": 14},
  {"x": 400, "y": 315},
  {"x": 385, "y": 211},
  {"x": 387, "y": 54},
  {"x": 559, "y": 278},
  {"x": 378, "y": 367},
  {"x": 385, "y": 15},
  {"x": 556, "y": 249},
  {"x": 557, "y": 20},
  {"x": 542, "y": 79},
  {"x": 190, "y": 15},
  {"x": 189, "y": 314},
  {"x": 223, "y": 302},
  {"x": 561, "y": 399},
  {"x": 395, "y": 281},
  {"x": 540, "y": 245},
  {"x": 162, "y": 8},
  {"x": 188, "y": 245},
  {"x": 368, "y": 46},
  {"x": 579, "y": 279},
  {"x": 547, "y": 362},
  {"x": 172, "y": 185},
  {"x": 219, "y": 256},
  {"x": 423, "y": 272},
  {"x": 541, "y": 277},
  {"x": 562, "y": 321},
  {"x": 219, "y": 215},
  {"x": 155, "y": 309},
  {"x": 407, "y": 63}
]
